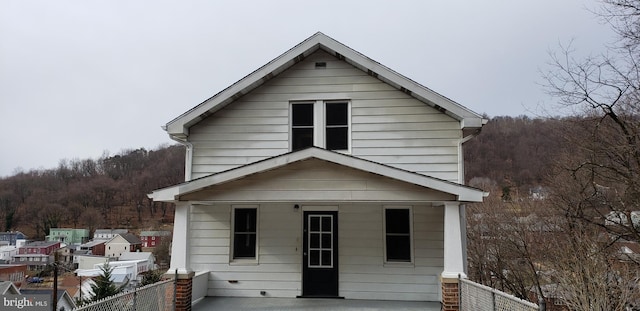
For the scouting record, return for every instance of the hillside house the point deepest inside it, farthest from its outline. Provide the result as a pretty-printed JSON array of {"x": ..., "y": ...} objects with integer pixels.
[
  {"x": 86, "y": 262},
  {"x": 154, "y": 238},
  {"x": 322, "y": 174},
  {"x": 122, "y": 243},
  {"x": 11, "y": 237},
  {"x": 6, "y": 252},
  {"x": 107, "y": 234},
  {"x": 95, "y": 247},
  {"x": 36, "y": 255},
  {"x": 68, "y": 235},
  {"x": 146, "y": 261}
]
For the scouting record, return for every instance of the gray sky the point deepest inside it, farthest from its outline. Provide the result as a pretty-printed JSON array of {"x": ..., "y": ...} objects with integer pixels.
[{"x": 81, "y": 78}]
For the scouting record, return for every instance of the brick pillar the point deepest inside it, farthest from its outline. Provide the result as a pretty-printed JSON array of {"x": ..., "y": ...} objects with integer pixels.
[
  {"x": 184, "y": 289},
  {"x": 450, "y": 295}
]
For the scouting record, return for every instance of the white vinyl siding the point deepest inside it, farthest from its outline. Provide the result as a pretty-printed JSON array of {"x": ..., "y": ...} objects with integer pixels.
[
  {"x": 387, "y": 125},
  {"x": 316, "y": 181},
  {"x": 278, "y": 269},
  {"x": 363, "y": 273}
]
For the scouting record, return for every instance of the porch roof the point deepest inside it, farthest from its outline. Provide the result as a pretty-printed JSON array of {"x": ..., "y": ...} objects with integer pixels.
[{"x": 461, "y": 192}]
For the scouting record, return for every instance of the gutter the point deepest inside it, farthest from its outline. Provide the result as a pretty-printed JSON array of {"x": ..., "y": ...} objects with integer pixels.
[{"x": 188, "y": 155}]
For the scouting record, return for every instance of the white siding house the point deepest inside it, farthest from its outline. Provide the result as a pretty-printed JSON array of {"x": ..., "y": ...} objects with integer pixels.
[
  {"x": 120, "y": 244},
  {"x": 323, "y": 174}
]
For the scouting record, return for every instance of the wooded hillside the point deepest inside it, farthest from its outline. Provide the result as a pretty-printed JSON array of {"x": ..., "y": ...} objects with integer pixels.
[
  {"x": 111, "y": 191},
  {"x": 514, "y": 152},
  {"x": 106, "y": 193}
]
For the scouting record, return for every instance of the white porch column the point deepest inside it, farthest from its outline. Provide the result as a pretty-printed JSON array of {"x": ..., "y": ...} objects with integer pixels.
[
  {"x": 180, "y": 257},
  {"x": 453, "y": 257}
]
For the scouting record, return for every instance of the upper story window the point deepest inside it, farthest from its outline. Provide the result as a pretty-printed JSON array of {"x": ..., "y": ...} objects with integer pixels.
[
  {"x": 323, "y": 124},
  {"x": 302, "y": 125}
]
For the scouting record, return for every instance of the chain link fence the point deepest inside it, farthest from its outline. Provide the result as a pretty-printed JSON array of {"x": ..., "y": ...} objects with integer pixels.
[
  {"x": 154, "y": 297},
  {"x": 477, "y": 297}
]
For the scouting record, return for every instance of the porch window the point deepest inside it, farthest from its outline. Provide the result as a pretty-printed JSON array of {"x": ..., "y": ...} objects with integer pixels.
[
  {"x": 244, "y": 233},
  {"x": 397, "y": 223},
  {"x": 323, "y": 124}
]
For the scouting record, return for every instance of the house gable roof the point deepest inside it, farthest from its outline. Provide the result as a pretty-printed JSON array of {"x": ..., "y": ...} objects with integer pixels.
[
  {"x": 62, "y": 294},
  {"x": 127, "y": 237},
  {"x": 179, "y": 127},
  {"x": 461, "y": 192},
  {"x": 7, "y": 287}
]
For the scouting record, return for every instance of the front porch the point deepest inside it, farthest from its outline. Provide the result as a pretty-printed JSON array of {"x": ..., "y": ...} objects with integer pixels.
[
  {"x": 315, "y": 223},
  {"x": 250, "y": 304}
]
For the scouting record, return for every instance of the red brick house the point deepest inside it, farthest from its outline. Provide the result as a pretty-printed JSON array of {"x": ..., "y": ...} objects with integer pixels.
[{"x": 36, "y": 255}]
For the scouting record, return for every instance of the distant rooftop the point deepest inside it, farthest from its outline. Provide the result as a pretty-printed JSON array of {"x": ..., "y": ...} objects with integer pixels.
[
  {"x": 155, "y": 233},
  {"x": 131, "y": 238},
  {"x": 41, "y": 243}
]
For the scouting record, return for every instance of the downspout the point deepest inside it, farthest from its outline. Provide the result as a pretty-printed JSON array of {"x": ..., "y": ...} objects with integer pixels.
[
  {"x": 188, "y": 158},
  {"x": 463, "y": 207}
]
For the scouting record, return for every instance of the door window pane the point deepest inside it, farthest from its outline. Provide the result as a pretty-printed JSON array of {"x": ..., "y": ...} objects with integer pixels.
[
  {"x": 320, "y": 247},
  {"x": 326, "y": 223},
  {"x": 314, "y": 258},
  {"x": 314, "y": 240},
  {"x": 326, "y": 258},
  {"x": 326, "y": 240}
]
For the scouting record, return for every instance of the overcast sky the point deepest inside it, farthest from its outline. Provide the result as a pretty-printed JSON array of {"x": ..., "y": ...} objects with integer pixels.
[{"x": 81, "y": 78}]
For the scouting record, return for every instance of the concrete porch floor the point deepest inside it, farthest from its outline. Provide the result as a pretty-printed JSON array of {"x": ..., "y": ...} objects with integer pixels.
[{"x": 273, "y": 304}]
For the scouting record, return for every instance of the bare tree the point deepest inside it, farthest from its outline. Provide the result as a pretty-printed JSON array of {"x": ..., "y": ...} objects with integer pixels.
[
  {"x": 588, "y": 271},
  {"x": 603, "y": 163},
  {"x": 505, "y": 244},
  {"x": 595, "y": 183}
]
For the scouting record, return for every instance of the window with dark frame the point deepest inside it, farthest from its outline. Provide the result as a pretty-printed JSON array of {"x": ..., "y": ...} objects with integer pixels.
[
  {"x": 331, "y": 125},
  {"x": 302, "y": 126},
  {"x": 337, "y": 126},
  {"x": 398, "y": 234},
  {"x": 245, "y": 233}
]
